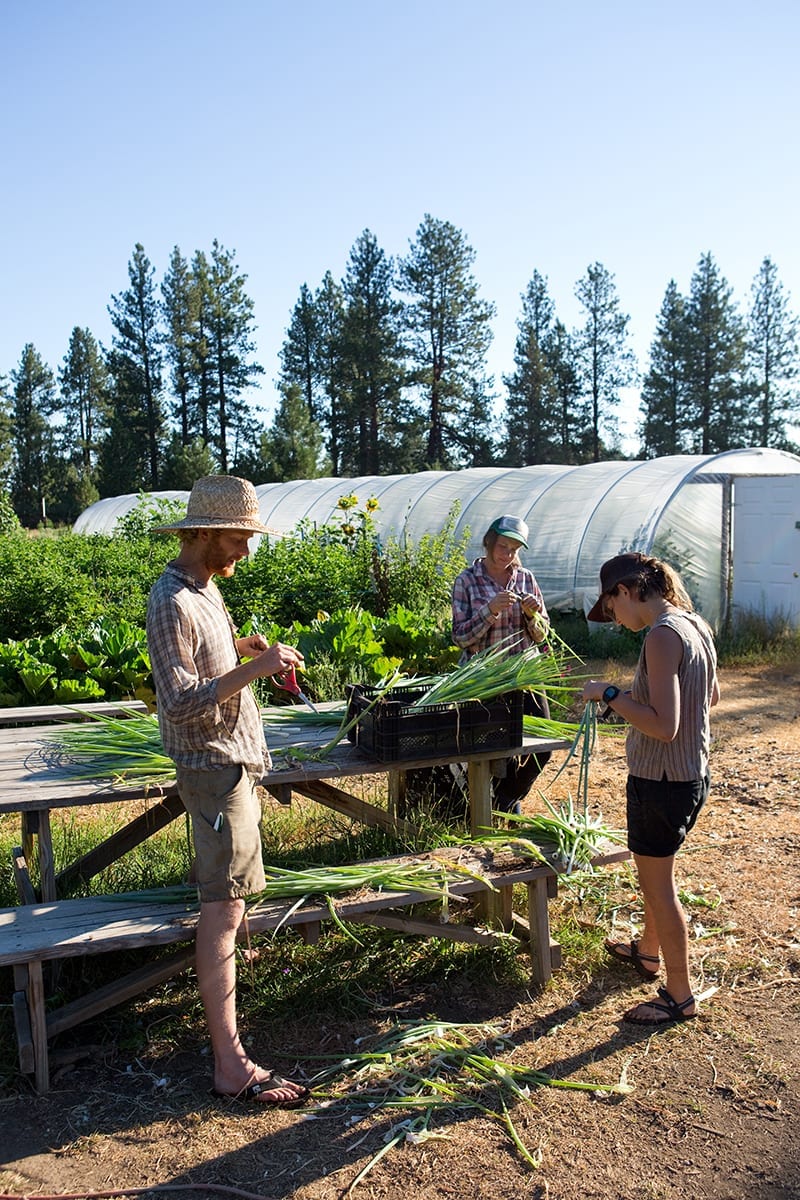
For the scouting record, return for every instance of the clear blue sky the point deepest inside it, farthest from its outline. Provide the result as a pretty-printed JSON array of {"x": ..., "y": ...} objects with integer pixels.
[{"x": 634, "y": 134}]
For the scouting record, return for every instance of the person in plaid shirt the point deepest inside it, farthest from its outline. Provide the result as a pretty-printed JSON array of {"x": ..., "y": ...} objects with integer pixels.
[
  {"x": 211, "y": 727},
  {"x": 494, "y": 599}
]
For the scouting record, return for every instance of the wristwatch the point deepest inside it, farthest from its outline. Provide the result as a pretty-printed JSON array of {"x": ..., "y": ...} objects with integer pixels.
[{"x": 611, "y": 693}]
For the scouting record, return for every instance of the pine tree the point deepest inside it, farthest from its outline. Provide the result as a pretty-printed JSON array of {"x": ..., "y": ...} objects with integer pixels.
[
  {"x": 300, "y": 351},
  {"x": 185, "y": 463},
  {"x": 532, "y": 408},
  {"x": 201, "y": 365},
  {"x": 291, "y": 448},
  {"x": 231, "y": 347},
  {"x": 33, "y": 404},
  {"x": 179, "y": 306},
  {"x": 6, "y": 443},
  {"x": 136, "y": 364},
  {"x": 606, "y": 363},
  {"x": 329, "y": 366},
  {"x": 665, "y": 425},
  {"x": 715, "y": 363},
  {"x": 573, "y": 440},
  {"x": 772, "y": 351},
  {"x": 371, "y": 359},
  {"x": 84, "y": 387},
  {"x": 122, "y": 463},
  {"x": 450, "y": 334}
]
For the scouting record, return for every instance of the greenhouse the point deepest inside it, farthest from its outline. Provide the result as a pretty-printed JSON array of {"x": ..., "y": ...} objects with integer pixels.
[{"x": 735, "y": 545}]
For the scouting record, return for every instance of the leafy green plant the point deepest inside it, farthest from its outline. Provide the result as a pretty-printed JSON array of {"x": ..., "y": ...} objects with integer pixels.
[
  {"x": 63, "y": 667},
  {"x": 9, "y": 521},
  {"x": 148, "y": 513}
]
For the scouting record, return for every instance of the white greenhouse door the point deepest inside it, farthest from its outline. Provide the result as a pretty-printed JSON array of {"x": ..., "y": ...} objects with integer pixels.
[{"x": 766, "y": 545}]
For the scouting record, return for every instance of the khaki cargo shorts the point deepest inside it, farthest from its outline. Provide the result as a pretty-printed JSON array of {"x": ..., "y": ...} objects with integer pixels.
[{"x": 225, "y": 812}]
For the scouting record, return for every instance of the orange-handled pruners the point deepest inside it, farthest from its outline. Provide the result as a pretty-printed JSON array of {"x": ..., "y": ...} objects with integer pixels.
[{"x": 288, "y": 681}]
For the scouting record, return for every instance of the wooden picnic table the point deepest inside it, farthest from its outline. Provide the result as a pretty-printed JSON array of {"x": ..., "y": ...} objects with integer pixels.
[
  {"x": 43, "y": 930},
  {"x": 32, "y": 785}
]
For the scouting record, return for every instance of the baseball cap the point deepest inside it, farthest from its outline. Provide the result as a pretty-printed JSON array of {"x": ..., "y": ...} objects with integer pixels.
[
  {"x": 624, "y": 566},
  {"x": 513, "y": 527}
]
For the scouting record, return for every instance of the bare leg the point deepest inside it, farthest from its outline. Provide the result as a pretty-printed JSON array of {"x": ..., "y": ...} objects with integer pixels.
[
  {"x": 234, "y": 1070},
  {"x": 665, "y": 925}
]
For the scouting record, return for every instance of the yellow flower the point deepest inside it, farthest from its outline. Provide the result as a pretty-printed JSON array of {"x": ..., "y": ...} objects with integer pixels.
[{"x": 372, "y": 504}]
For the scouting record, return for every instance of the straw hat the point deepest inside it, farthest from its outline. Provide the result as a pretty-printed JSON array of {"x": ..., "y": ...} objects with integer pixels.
[{"x": 221, "y": 502}]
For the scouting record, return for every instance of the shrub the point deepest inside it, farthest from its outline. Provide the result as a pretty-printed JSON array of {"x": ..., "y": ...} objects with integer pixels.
[
  {"x": 9, "y": 521},
  {"x": 46, "y": 583},
  {"x": 344, "y": 563},
  {"x": 148, "y": 513}
]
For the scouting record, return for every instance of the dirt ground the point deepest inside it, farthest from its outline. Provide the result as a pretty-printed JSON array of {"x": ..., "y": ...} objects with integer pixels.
[{"x": 712, "y": 1115}]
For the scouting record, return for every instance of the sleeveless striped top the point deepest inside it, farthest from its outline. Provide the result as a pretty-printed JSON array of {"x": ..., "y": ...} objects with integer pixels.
[{"x": 686, "y": 758}]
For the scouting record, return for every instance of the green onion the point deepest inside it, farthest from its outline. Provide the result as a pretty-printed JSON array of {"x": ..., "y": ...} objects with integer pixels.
[
  {"x": 492, "y": 672},
  {"x": 432, "y": 877},
  {"x": 110, "y": 748},
  {"x": 436, "y": 1066}
]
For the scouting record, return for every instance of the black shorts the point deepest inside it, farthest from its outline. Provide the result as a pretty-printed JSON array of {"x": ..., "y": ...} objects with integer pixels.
[{"x": 661, "y": 813}]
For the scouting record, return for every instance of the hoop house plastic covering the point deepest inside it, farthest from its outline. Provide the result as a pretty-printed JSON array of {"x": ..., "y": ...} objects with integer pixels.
[{"x": 675, "y": 507}]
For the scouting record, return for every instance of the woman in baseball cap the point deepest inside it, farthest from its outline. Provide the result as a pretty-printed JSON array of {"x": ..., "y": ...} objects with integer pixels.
[
  {"x": 493, "y": 600},
  {"x": 667, "y": 750}
]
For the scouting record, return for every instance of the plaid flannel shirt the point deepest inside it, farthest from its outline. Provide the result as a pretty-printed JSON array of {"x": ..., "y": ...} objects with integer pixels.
[
  {"x": 192, "y": 642},
  {"x": 474, "y": 626}
]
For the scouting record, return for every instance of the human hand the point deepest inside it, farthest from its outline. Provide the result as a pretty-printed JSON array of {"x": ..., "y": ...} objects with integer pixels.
[
  {"x": 278, "y": 658},
  {"x": 502, "y": 602},
  {"x": 248, "y": 647},
  {"x": 530, "y": 604},
  {"x": 593, "y": 689}
]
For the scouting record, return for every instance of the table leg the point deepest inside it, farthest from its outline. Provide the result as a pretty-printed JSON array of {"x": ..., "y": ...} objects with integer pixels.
[
  {"x": 397, "y": 794},
  {"x": 479, "y": 776},
  {"x": 539, "y": 924},
  {"x": 37, "y": 825},
  {"x": 36, "y": 1010},
  {"x": 47, "y": 867}
]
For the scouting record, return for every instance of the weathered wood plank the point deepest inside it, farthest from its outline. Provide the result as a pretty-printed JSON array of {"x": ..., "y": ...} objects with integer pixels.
[
  {"x": 117, "y": 992},
  {"x": 34, "y": 714},
  {"x": 352, "y": 806},
  {"x": 22, "y": 878},
  {"x": 22, "y": 1028},
  {"x": 412, "y": 925}
]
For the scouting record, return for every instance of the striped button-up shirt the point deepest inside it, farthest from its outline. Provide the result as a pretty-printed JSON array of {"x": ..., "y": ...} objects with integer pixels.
[
  {"x": 191, "y": 640},
  {"x": 474, "y": 625}
]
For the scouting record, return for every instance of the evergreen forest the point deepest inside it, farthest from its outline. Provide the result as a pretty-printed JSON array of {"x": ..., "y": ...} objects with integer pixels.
[{"x": 384, "y": 371}]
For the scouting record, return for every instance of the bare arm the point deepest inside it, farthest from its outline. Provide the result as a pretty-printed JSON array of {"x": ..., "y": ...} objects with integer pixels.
[{"x": 661, "y": 717}]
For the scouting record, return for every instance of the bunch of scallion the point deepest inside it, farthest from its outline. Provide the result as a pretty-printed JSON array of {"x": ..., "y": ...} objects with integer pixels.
[
  {"x": 118, "y": 749},
  {"x": 432, "y": 877},
  {"x": 110, "y": 748},
  {"x": 418, "y": 1070},
  {"x": 493, "y": 672},
  {"x": 564, "y": 838}
]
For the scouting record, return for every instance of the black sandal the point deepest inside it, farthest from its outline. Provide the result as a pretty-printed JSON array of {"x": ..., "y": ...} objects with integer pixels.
[
  {"x": 673, "y": 1011},
  {"x": 633, "y": 958},
  {"x": 273, "y": 1082}
]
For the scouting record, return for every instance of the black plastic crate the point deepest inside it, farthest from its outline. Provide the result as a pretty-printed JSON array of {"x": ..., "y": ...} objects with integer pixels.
[{"x": 393, "y": 729}]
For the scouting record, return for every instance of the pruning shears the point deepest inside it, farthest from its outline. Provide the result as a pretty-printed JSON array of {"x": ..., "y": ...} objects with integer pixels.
[{"x": 288, "y": 681}]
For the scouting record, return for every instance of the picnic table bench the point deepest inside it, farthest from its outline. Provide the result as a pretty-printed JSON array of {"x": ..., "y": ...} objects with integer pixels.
[{"x": 34, "y": 933}]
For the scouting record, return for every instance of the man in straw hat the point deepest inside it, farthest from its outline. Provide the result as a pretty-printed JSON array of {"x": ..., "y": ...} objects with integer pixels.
[{"x": 211, "y": 726}]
